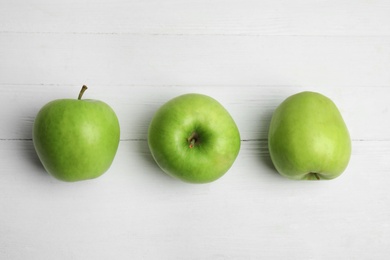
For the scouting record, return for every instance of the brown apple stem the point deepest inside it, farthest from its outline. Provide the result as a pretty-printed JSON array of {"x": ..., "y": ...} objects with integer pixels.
[
  {"x": 192, "y": 140},
  {"x": 83, "y": 89},
  {"x": 192, "y": 143},
  {"x": 316, "y": 175}
]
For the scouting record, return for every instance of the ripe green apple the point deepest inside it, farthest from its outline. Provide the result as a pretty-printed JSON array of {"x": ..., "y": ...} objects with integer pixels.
[
  {"x": 76, "y": 139},
  {"x": 194, "y": 138},
  {"x": 308, "y": 138}
]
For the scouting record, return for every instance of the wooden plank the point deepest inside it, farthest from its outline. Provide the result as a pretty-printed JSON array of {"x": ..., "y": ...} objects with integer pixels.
[
  {"x": 135, "y": 209},
  {"x": 365, "y": 109},
  {"x": 193, "y": 60},
  {"x": 221, "y": 17}
]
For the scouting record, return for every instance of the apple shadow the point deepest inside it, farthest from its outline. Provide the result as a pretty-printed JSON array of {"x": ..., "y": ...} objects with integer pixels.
[
  {"x": 144, "y": 151},
  {"x": 27, "y": 147},
  {"x": 31, "y": 155},
  {"x": 146, "y": 156},
  {"x": 143, "y": 148},
  {"x": 265, "y": 157}
]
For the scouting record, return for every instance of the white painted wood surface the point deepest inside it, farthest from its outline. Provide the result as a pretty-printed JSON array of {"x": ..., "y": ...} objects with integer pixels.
[{"x": 249, "y": 55}]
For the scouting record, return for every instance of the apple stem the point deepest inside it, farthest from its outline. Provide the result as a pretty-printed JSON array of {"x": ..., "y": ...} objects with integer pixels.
[
  {"x": 192, "y": 140},
  {"x": 192, "y": 143},
  {"x": 83, "y": 89},
  {"x": 316, "y": 175}
]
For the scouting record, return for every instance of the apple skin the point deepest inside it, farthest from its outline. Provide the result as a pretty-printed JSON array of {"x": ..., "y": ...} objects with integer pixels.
[
  {"x": 194, "y": 138},
  {"x": 76, "y": 139},
  {"x": 308, "y": 138}
]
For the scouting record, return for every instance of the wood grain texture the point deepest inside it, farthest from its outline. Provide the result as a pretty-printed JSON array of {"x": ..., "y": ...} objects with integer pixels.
[
  {"x": 217, "y": 17},
  {"x": 249, "y": 55},
  {"x": 365, "y": 109},
  {"x": 252, "y": 212},
  {"x": 194, "y": 60}
]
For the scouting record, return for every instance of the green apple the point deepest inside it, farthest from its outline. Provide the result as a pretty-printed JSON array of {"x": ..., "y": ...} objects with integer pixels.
[
  {"x": 308, "y": 138},
  {"x": 76, "y": 139},
  {"x": 194, "y": 138}
]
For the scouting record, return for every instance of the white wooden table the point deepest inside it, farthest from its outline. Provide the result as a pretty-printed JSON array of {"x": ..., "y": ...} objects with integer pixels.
[{"x": 248, "y": 54}]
